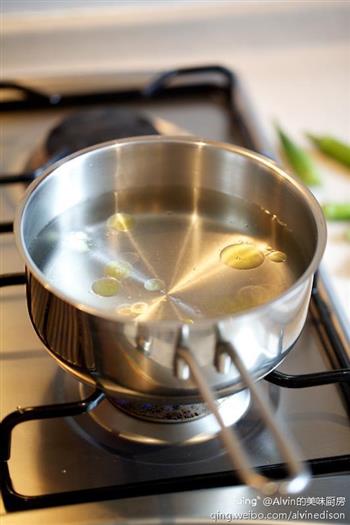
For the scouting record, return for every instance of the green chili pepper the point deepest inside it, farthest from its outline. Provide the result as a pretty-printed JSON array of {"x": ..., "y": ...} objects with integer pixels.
[
  {"x": 299, "y": 160},
  {"x": 332, "y": 147},
  {"x": 337, "y": 211}
]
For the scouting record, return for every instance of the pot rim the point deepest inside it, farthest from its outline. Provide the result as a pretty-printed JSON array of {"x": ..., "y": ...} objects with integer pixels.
[{"x": 311, "y": 201}]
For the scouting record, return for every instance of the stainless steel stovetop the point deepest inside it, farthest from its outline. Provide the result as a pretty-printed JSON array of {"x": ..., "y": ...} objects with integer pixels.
[{"x": 58, "y": 455}]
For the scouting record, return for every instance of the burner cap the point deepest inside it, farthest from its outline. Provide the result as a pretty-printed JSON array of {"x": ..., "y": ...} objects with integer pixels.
[
  {"x": 161, "y": 412},
  {"x": 86, "y": 128}
]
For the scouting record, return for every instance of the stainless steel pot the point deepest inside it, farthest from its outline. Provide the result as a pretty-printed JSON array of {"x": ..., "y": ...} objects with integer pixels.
[{"x": 166, "y": 360}]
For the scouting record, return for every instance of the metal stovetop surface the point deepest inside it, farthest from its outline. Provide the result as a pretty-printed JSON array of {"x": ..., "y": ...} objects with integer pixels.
[{"x": 52, "y": 456}]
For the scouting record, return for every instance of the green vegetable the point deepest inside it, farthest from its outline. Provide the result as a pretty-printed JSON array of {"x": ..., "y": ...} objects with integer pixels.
[
  {"x": 299, "y": 160},
  {"x": 347, "y": 235},
  {"x": 332, "y": 147},
  {"x": 337, "y": 211}
]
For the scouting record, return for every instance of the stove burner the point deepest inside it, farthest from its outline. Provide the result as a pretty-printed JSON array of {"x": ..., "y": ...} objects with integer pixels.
[
  {"x": 157, "y": 442},
  {"x": 86, "y": 128},
  {"x": 162, "y": 413},
  {"x": 136, "y": 430},
  {"x": 118, "y": 430},
  {"x": 82, "y": 129}
]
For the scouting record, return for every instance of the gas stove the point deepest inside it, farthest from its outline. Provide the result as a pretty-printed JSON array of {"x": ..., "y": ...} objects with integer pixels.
[{"x": 67, "y": 446}]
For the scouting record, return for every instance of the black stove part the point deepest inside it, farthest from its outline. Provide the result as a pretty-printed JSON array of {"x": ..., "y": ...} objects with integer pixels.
[
  {"x": 87, "y": 128},
  {"x": 34, "y": 99},
  {"x": 332, "y": 344},
  {"x": 6, "y": 227},
  {"x": 160, "y": 412},
  {"x": 78, "y": 131},
  {"x": 240, "y": 118},
  {"x": 28, "y": 176},
  {"x": 164, "y": 79},
  {"x": 227, "y": 87},
  {"x": 309, "y": 380},
  {"x": 43, "y": 412},
  {"x": 204, "y": 83},
  {"x": 323, "y": 319},
  {"x": 28, "y": 94},
  {"x": 12, "y": 279},
  {"x": 100, "y": 98},
  {"x": 15, "y": 502},
  {"x": 16, "y": 179}
]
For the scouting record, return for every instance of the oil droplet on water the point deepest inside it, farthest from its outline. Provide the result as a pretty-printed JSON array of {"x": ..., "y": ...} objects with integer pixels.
[
  {"x": 242, "y": 256},
  {"x": 106, "y": 287},
  {"x": 139, "y": 308},
  {"x": 187, "y": 320},
  {"x": 252, "y": 295},
  {"x": 247, "y": 297},
  {"x": 118, "y": 269},
  {"x": 153, "y": 285},
  {"x": 122, "y": 222},
  {"x": 276, "y": 256},
  {"x": 125, "y": 309}
]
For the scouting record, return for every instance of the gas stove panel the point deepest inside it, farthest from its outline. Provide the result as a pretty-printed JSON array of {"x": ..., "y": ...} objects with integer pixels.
[{"x": 73, "y": 454}]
